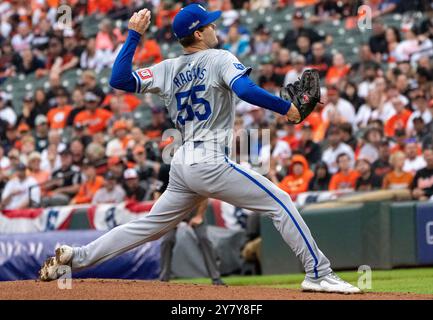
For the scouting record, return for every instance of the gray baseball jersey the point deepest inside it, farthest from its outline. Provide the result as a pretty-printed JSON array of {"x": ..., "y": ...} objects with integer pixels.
[{"x": 197, "y": 91}]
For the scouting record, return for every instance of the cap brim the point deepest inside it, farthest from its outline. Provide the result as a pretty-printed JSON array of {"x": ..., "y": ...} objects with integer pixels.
[{"x": 213, "y": 16}]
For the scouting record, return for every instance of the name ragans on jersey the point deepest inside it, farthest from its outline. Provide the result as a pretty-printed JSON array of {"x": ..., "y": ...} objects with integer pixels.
[{"x": 189, "y": 75}]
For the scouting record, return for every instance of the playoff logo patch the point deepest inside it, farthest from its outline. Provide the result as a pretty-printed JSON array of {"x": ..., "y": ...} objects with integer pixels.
[{"x": 145, "y": 74}]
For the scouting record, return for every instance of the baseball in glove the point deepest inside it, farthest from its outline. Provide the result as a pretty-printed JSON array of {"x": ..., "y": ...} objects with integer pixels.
[{"x": 304, "y": 95}]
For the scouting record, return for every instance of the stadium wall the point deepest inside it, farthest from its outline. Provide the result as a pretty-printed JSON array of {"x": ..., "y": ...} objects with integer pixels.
[{"x": 382, "y": 235}]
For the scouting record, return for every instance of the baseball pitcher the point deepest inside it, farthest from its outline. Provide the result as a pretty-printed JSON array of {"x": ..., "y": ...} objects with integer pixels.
[{"x": 199, "y": 89}]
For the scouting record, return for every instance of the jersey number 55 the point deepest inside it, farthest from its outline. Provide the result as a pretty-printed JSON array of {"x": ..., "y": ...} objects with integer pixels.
[{"x": 187, "y": 99}]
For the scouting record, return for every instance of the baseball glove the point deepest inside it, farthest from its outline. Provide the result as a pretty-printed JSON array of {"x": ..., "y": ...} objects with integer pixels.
[{"x": 304, "y": 94}]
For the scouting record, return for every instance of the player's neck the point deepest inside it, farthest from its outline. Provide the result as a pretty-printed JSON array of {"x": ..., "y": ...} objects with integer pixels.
[{"x": 195, "y": 48}]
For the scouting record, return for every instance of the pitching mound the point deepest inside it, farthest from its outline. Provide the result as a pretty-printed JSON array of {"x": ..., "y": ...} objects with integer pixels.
[{"x": 98, "y": 289}]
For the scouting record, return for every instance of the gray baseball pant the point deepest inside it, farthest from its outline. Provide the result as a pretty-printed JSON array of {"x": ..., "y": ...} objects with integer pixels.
[{"x": 190, "y": 184}]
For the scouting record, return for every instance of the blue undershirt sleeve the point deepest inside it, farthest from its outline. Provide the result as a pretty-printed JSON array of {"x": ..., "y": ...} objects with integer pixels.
[
  {"x": 248, "y": 91},
  {"x": 121, "y": 75}
]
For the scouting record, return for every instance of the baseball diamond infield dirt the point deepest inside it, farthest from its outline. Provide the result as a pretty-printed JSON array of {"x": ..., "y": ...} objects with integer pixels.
[{"x": 101, "y": 289}]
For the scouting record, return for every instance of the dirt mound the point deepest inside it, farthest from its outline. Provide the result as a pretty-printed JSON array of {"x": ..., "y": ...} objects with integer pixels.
[{"x": 99, "y": 289}]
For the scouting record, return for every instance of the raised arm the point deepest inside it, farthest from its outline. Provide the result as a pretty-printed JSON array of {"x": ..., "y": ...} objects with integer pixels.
[{"x": 121, "y": 75}]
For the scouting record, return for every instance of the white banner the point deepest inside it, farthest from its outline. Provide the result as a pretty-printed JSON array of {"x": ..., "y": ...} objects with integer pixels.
[{"x": 35, "y": 220}]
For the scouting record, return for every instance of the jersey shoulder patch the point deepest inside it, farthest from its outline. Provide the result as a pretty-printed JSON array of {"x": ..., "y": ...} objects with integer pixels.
[
  {"x": 145, "y": 74},
  {"x": 239, "y": 66}
]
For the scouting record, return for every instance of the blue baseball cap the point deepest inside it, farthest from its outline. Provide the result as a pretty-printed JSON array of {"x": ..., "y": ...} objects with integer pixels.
[{"x": 192, "y": 17}]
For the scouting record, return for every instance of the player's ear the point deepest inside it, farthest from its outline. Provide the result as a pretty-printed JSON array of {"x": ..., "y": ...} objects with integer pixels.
[{"x": 198, "y": 35}]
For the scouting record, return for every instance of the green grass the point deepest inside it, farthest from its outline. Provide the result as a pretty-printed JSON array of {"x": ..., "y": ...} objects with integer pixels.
[{"x": 398, "y": 280}]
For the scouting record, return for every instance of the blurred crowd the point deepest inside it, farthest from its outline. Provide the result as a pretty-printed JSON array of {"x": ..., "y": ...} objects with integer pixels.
[{"x": 81, "y": 144}]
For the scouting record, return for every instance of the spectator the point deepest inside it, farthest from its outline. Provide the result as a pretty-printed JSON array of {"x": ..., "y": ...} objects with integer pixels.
[
  {"x": 370, "y": 76},
  {"x": 399, "y": 120},
  {"x": 377, "y": 41},
  {"x": 346, "y": 177},
  {"x": 165, "y": 32},
  {"x": 148, "y": 52},
  {"x": 299, "y": 177},
  {"x": 307, "y": 147},
  {"x": 119, "y": 11},
  {"x": 370, "y": 109},
  {"x": 91, "y": 184},
  {"x": 412, "y": 47},
  {"x": 332, "y": 10},
  {"x": 28, "y": 113},
  {"x": 321, "y": 178},
  {"x": 420, "y": 105},
  {"x": 117, "y": 146},
  {"x": 413, "y": 162},
  {"x": 385, "y": 7},
  {"x": 134, "y": 191},
  {"x": 159, "y": 123},
  {"x": 105, "y": 37},
  {"x": 393, "y": 38},
  {"x": 50, "y": 158},
  {"x": 23, "y": 38},
  {"x": 54, "y": 59},
  {"x": 51, "y": 94},
  {"x": 397, "y": 179},
  {"x": 77, "y": 105},
  {"x": 283, "y": 62},
  {"x": 303, "y": 47},
  {"x": 276, "y": 151},
  {"x": 77, "y": 151},
  {"x": 117, "y": 166},
  {"x": 7, "y": 113},
  {"x": 337, "y": 71},
  {"x": 4, "y": 160},
  {"x": 120, "y": 111},
  {"x": 27, "y": 146},
  {"x": 111, "y": 192},
  {"x": 420, "y": 131},
  {"x": 7, "y": 59},
  {"x": 94, "y": 118},
  {"x": 28, "y": 63},
  {"x": 422, "y": 184},
  {"x": 319, "y": 60},
  {"x": 337, "y": 109},
  {"x": 88, "y": 82},
  {"x": 367, "y": 180},
  {"x": 298, "y": 68},
  {"x": 95, "y": 153},
  {"x": 41, "y": 36},
  {"x": 145, "y": 168},
  {"x": 21, "y": 191},
  {"x": 34, "y": 168},
  {"x": 58, "y": 116},
  {"x": 299, "y": 28},
  {"x": 14, "y": 158},
  {"x": 370, "y": 150},
  {"x": 11, "y": 138},
  {"x": 268, "y": 79},
  {"x": 236, "y": 44},
  {"x": 41, "y": 103},
  {"x": 336, "y": 147},
  {"x": 262, "y": 44},
  {"x": 382, "y": 165},
  {"x": 347, "y": 135},
  {"x": 91, "y": 58}
]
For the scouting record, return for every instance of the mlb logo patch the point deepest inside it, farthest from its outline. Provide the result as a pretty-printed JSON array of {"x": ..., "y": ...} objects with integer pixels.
[
  {"x": 145, "y": 74},
  {"x": 239, "y": 66}
]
